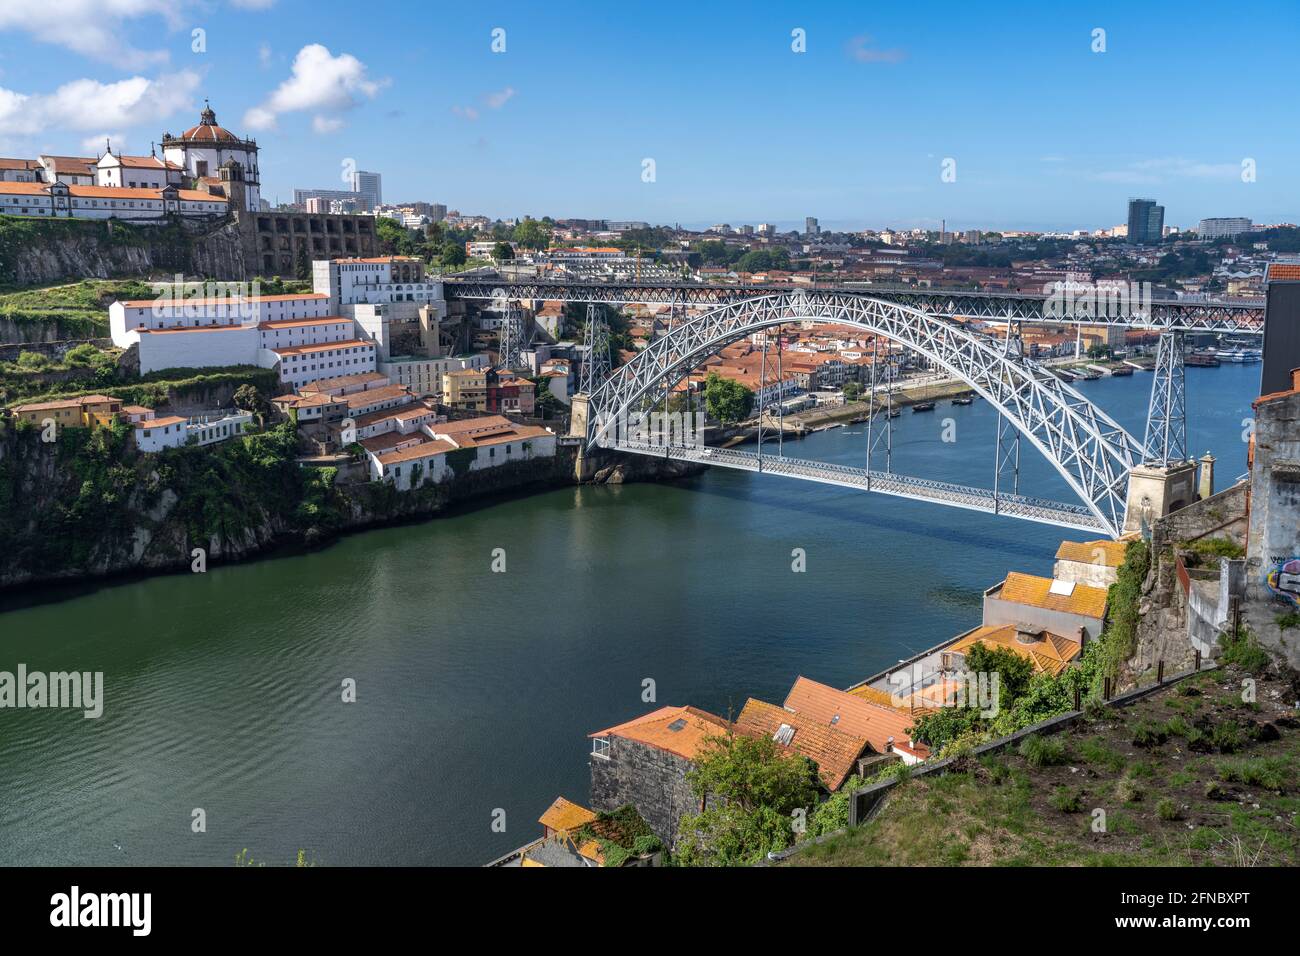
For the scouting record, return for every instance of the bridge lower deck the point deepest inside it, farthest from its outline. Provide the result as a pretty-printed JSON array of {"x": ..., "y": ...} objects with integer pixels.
[{"x": 1042, "y": 510}]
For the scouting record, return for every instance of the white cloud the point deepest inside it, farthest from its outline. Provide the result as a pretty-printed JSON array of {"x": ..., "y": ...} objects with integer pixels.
[
  {"x": 860, "y": 49},
  {"x": 319, "y": 82},
  {"x": 253, "y": 4},
  {"x": 1150, "y": 172},
  {"x": 92, "y": 28},
  {"x": 264, "y": 54},
  {"x": 84, "y": 105},
  {"x": 497, "y": 100},
  {"x": 493, "y": 101},
  {"x": 326, "y": 124},
  {"x": 94, "y": 145}
]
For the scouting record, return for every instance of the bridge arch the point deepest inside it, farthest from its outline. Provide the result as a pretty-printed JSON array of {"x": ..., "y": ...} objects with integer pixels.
[{"x": 1089, "y": 449}]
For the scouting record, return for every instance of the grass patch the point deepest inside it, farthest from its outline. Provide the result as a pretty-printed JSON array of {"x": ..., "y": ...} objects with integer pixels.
[{"x": 1040, "y": 751}]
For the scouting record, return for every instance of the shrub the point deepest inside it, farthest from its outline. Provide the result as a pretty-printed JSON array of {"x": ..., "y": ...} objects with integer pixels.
[
  {"x": 1095, "y": 709},
  {"x": 1167, "y": 809},
  {"x": 1271, "y": 773},
  {"x": 1227, "y": 737},
  {"x": 1040, "y": 751},
  {"x": 1243, "y": 650},
  {"x": 1095, "y": 752},
  {"x": 1128, "y": 790},
  {"x": 1067, "y": 800},
  {"x": 1148, "y": 734}
]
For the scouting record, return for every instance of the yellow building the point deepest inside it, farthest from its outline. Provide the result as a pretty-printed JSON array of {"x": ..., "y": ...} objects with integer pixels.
[
  {"x": 84, "y": 411},
  {"x": 465, "y": 388}
]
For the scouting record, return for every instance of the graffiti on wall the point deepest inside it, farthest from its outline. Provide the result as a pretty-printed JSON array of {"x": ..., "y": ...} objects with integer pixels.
[{"x": 1283, "y": 579}]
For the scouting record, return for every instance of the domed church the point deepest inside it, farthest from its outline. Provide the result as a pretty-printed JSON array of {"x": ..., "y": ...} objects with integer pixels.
[{"x": 201, "y": 151}]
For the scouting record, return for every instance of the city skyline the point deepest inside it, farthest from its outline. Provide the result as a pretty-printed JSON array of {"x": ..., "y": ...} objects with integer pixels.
[{"x": 856, "y": 131}]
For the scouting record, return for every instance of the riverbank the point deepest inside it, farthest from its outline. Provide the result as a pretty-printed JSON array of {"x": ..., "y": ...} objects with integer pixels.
[{"x": 91, "y": 506}]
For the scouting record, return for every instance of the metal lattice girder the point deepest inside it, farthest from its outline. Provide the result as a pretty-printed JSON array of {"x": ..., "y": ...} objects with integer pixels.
[
  {"x": 1145, "y": 314},
  {"x": 596, "y": 338},
  {"x": 1088, "y": 448},
  {"x": 1166, "y": 437},
  {"x": 1029, "y": 508},
  {"x": 511, "y": 339}
]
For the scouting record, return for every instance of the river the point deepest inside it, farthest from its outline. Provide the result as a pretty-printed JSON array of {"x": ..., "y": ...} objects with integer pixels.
[{"x": 475, "y": 690}]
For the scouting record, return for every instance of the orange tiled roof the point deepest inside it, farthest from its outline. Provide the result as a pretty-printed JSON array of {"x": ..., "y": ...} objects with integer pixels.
[
  {"x": 566, "y": 815},
  {"x": 1031, "y": 590},
  {"x": 835, "y": 752},
  {"x": 1108, "y": 553},
  {"x": 1050, "y": 655},
  {"x": 413, "y": 452},
  {"x": 683, "y": 731},
  {"x": 1284, "y": 270},
  {"x": 883, "y": 698},
  {"x": 849, "y": 714},
  {"x": 227, "y": 300},
  {"x": 105, "y": 192},
  {"x": 322, "y": 347}
]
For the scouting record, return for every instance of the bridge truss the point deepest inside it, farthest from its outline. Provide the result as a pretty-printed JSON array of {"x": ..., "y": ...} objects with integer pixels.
[
  {"x": 1106, "y": 309},
  {"x": 1090, "y": 451}
]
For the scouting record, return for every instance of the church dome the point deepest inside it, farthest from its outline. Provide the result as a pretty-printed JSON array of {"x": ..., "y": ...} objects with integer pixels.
[{"x": 208, "y": 131}]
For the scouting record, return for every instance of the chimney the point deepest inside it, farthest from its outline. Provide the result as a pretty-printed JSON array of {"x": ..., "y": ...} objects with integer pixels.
[
  {"x": 1206, "y": 488},
  {"x": 1083, "y": 639}
]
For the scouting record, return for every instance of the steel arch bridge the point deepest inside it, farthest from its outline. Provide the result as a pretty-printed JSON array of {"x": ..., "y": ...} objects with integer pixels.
[{"x": 1090, "y": 450}]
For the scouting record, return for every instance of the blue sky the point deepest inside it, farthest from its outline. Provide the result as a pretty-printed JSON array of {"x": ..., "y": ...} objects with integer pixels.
[{"x": 1045, "y": 133}]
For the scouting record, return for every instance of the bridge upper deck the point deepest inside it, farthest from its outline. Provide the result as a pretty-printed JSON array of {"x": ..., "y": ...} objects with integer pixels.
[{"x": 1079, "y": 307}]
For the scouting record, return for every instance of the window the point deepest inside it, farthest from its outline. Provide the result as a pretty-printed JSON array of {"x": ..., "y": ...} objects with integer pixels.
[
  {"x": 600, "y": 747},
  {"x": 784, "y": 734}
]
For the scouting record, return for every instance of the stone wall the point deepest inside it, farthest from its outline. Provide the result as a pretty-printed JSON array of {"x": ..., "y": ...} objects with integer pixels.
[{"x": 650, "y": 779}]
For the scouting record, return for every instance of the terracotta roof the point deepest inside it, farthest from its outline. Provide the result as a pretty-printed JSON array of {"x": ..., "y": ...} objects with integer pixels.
[
  {"x": 159, "y": 422},
  {"x": 834, "y": 751},
  {"x": 849, "y": 714},
  {"x": 343, "y": 381},
  {"x": 372, "y": 395},
  {"x": 322, "y": 347},
  {"x": 77, "y": 165},
  {"x": 883, "y": 698},
  {"x": 1034, "y": 591},
  {"x": 1050, "y": 655},
  {"x": 27, "y": 164},
  {"x": 1107, "y": 553},
  {"x": 224, "y": 300},
  {"x": 683, "y": 731},
  {"x": 399, "y": 413},
  {"x": 105, "y": 192},
  {"x": 414, "y": 452},
  {"x": 566, "y": 815},
  {"x": 379, "y": 260},
  {"x": 1289, "y": 271},
  {"x": 297, "y": 323},
  {"x": 78, "y": 400},
  {"x": 146, "y": 162}
]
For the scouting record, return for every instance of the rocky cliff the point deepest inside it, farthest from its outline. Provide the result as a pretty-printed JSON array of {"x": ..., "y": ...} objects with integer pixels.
[
  {"x": 34, "y": 253},
  {"x": 90, "y": 505}
]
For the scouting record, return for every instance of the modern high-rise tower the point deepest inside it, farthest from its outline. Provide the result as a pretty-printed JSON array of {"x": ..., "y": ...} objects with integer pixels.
[
  {"x": 370, "y": 188},
  {"x": 1146, "y": 221}
]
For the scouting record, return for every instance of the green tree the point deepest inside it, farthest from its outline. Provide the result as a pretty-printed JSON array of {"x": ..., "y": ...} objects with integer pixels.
[
  {"x": 532, "y": 234},
  {"x": 753, "y": 789},
  {"x": 852, "y": 391},
  {"x": 452, "y": 255},
  {"x": 302, "y": 269},
  {"x": 394, "y": 238},
  {"x": 726, "y": 399},
  {"x": 250, "y": 399},
  {"x": 503, "y": 250}
]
